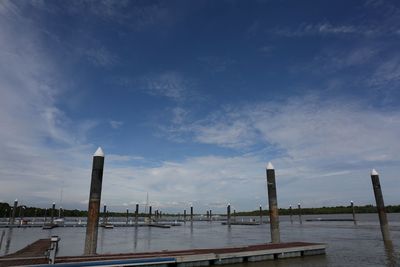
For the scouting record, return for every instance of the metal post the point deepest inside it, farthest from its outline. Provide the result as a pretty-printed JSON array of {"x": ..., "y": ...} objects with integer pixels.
[
  {"x": 13, "y": 212},
  {"x": 261, "y": 220},
  {"x": 380, "y": 205},
  {"x": 228, "y": 212},
  {"x": 354, "y": 212},
  {"x": 273, "y": 204},
  {"x": 137, "y": 214},
  {"x": 299, "y": 207},
  {"x": 94, "y": 202},
  {"x": 291, "y": 214},
  {"x": 191, "y": 213}
]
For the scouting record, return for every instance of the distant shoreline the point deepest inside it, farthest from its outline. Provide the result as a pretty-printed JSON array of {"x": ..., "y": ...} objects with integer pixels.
[{"x": 31, "y": 211}]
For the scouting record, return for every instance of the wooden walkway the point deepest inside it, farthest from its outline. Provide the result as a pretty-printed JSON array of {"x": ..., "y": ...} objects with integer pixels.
[{"x": 182, "y": 258}]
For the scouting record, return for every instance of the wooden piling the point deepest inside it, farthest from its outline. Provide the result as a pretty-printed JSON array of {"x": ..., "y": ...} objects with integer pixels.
[
  {"x": 191, "y": 213},
  {"x": 228, "y": 213},
  {"x": 299, "y": 208},
  {"x": 380, "y": 206},
  {"x": 150, "y": 214},
  {"x": 94, "y": 203},
  {"x": 291, "y": 214},
  {"x": 260, "y": 214},
  {"x": 137, "y": 214},
  {"x": 273, "y": 204},
  {"x": 184, "y": 216},
  {"x": 14, "y": 210},
  {"x": 53, "y": 207},
  {"x": 127, "y": 216},
  {"x": 354, "y": 212},
  {"x": 104, "y": 214}
]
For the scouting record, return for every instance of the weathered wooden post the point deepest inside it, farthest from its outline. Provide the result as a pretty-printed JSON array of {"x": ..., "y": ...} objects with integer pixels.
[
  {"x": 184, "y": 216},
  {"x": 150, "y": 214},
  {"x": 14, "y": 210},
  {"x": 354, "y": 212},
  {"x": 94, "y": 202},
  {"x": 260, "y": 214},
  {"x": 127, "y": 216},
  {"x": 53, "y": 207},
  {"x": 210, "y": 215},
  {"x": 273, "y": 204},
  {"x": 191, "y": 213},
  {"x": 380, "y": 206},
  {"x": 299, "y": 208},
  {"x": 228, "y": 212},
  {"x": 137, "y": 214},
  {"x": 104, "y": 213},
  {"x": 291, "y": 214}
]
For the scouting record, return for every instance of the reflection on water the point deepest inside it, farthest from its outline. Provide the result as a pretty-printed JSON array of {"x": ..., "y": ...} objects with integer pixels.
[
  {"x": 348, "y": 244},
  {"x": 8, "y": 242},
  {"x": 392, "y": 258}
]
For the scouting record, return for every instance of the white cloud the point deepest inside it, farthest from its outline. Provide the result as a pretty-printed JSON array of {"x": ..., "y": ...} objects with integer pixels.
[
  {"x": 116, "y": 124},
  {"x": 170, "y": 84},
  {"x": 40, "y": 146}
]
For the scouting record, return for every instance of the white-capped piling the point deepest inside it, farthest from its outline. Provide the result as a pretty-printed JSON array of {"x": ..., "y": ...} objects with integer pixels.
[
  {"x": 53, "y": 207},
  {"x": 104, "y": 214},
  {"x": 136, "y": 214},
  {"x": 273, "y": 204},
  {"x": 228, "y": 213},
  {"x": 299, "y": 209},
  {"x": 380, "y": 206},
  {"x": 14, "y": 210},
  {"x": 150, "y": 214},
  {"x": 353, "y": 210},
  {"x": 94, "y": 202}
]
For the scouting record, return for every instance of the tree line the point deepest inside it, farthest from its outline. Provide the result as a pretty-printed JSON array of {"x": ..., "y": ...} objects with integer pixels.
[{"x": 25, "y": 211}]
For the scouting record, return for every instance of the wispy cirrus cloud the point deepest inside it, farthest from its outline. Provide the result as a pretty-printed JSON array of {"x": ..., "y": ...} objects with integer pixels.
[{"x": 37, "y": 137}]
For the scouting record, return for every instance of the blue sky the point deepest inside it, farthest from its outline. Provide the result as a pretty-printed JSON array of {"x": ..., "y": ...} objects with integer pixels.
[{"x": 191, "y": 99}]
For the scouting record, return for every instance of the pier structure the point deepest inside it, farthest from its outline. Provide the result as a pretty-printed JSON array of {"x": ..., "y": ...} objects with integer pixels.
[
  {"x": 34, "y": 254},
  {"x": 380, "y": 205},
  {"x": 94, "y": 203},
  {"x": 273, "y": 204}
]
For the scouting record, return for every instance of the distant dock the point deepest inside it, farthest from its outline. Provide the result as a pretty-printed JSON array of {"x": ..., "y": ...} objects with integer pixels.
[{"x": 182, "y": 258}]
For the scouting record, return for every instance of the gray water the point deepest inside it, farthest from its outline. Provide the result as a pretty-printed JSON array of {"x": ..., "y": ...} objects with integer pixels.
[{"x": 348, "y": 245}]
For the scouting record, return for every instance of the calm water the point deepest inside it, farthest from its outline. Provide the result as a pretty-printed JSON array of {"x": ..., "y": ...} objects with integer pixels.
[{"x": 348, "y": 245}]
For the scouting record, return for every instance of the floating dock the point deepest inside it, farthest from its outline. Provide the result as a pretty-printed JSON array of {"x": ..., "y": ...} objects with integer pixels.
[{"x": 181, "y": 258}]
